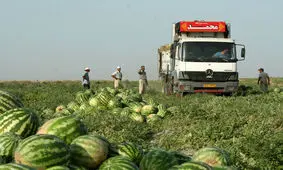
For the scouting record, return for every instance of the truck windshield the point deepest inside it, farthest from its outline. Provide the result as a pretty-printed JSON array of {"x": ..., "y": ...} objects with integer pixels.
[{"x": 208, "y": 52}]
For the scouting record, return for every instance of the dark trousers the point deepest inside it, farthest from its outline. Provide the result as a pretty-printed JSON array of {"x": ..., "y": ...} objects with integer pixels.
[{"x": 86, "y": 86}]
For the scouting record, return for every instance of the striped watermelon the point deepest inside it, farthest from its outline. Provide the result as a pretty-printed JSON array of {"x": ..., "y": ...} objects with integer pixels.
[
  {"x": 181, "y": 157},
  {"x": 67, "y": 128},
  {"x": 137, "y": 117},
  {"x": 13, "y": 166},
  {"x": 8, "y": 143},
  {"x": 114, "y": 103},
  {"x": 89, "y": 151},
  {"x": 76, "y": 167},
  {"x": 8, "y": 101},
  {"x": 126, "y": 111},
  {"x": 58, "y": 168},
  {"x": 223, "y": 168},
  {"x": 21, "y": 121},
  {"x": 212, "y": 156},
  {"x": 158, "y": 159},
  {"x": 104, "y": 97},
  {"x": 82, "y": 97},
  {"x": 131, "y": 151},
  {"x": 73, "y": 106},
  {"x": 192, "y": 165},
  {"x": 149, "y": 109},
  {"x": 118, "y": 163},
  {"x": 153, "y": 118},
  {"x": 42, "y": 151},
  {"x": 94, "y": 101},
  {"x": 136, "y": 107}
]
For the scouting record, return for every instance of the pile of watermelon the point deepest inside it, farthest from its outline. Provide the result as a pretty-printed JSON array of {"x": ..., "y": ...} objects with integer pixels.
[
  {"x": 123, "y": 102},
  {"x": 63, "y": 143}
]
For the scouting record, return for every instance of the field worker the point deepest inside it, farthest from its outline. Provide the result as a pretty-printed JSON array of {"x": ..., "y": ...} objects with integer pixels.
[
  {"x": 263, "y": 80},
  {"x": 86, "y": 82},
  {"x": 117, "y": 76},
  {"x": 143, "y": 80}
]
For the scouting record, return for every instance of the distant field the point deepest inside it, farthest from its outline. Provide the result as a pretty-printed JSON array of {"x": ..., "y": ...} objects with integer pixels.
[{"x": 249, "y": 127}]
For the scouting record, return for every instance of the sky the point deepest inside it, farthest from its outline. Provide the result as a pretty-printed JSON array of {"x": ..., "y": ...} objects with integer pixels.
[{"x": 57, "y": 39}]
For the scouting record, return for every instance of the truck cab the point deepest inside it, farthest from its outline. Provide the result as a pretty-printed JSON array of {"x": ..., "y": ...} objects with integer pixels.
[{"x": 203, "y": 59}]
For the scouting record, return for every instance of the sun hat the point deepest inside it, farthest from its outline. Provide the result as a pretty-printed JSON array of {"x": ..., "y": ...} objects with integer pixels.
[{"x": 87, "y": 69}]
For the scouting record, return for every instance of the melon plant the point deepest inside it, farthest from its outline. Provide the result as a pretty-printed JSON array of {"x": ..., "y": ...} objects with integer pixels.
[
  {"x": 158, "y": 159},
  {"x": 212, "y": 156},
  {"x": 21, "y": 121},
  {"x": 42, "y": 151},
  {"x": 8, "y": 143},
  {"x": 132, "y": 151},
  {"x": 8, "y": 101},
  {"x": 67, "y": 128},
  {"x": 89, "y": 151},
  {"x": 118, "y": 163},
  {"x": 192, "y": 165},
  {"x": 14, "y": 166}
]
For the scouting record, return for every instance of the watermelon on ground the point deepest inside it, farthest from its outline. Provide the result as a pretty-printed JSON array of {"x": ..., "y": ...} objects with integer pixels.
[
  {"x": 132, "y": 151},
  {"x": 76, "y": 167},
  {"x": 153, "y": 118},
  {"x": 192, "y": 165},
  {"x": 42, "y": 151},
  {"x": 149, "y": 109},
  {"x": 94, "y": 101},
  {"x": 14, "y": 166},
  {"x": 67, "y": 128},
  {"x": 277, "y": 90},
  {"x": 8, "y": 101},
  {"x": 118, "y": 163},
  {"x": 212, "y": 156},
  {"x": 181, "y": 157},
  {"x": 126, "y": 111},
  {"x": 21, "y": 121},
  {"x": 89, "y": 151},
  {"x": 82, "y": 97},
  {"x": 158, "y": 159},
  {"x": 114, "y": 103},
  {"x": 73, "y": 106},
  {"x": 58, "y": 168},
  {"x": 137, "y": 117},
  {"x": 8, "y": 143}
]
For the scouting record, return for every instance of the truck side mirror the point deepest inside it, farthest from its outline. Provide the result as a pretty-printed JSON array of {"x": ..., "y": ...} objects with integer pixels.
[{"x": 243, "y": 52}]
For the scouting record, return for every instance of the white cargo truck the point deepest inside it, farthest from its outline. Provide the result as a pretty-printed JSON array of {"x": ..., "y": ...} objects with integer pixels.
[{"x": 202, "y": 58}]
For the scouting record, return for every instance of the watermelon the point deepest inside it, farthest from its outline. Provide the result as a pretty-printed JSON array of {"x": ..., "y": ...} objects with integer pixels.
[
  {"x": 223, "y": 168},
  {"x": 21, "y": 121},
  {"x": 126, "y": 111},
  {"x": 82, "y": 97},
  {"x": 117, "y": 111},
  {"x": 94, "y": 102},
  {"x": 277, "y": 90},
  {"x": 8, "y": 143},
  {"x": 13, "y": 166},
  {"x": 58, "y": 168},
  {"x": 89, "y": 151},
  {"x": 112, "y": 91},
  {"x": 181, "y": 157},
  {"x": 104, "y": 97},
  {"x": 76, "y": 167},
  {"x": 158, "y": 159},
  {"x": 73, "y": 106},
  {"x": 8, "y": 101},
  {"x": 148, "y": 109},
  {"x": 153, "y": 118},
  {"x": 114, "y": 103},
  {"x": 67, "y": 128},
  {"x": 118, "y": 163},
  {"x": 192, "y": 165},
  {"x": 162, "y": 111},
  {"x": 212, "y": 156},
  {"x": 137, "y": 117},
  {"x": 131, "y": 151},
  {"x": 42, "y": 151},
  {"x": 135, "y": 107}
]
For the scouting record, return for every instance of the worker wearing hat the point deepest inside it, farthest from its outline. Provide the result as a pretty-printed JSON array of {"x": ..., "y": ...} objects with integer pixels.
[
  {"x": 86, "y": 82},
  {"x": 117, "y": 76},
  {"x": 263, "y": 80}
]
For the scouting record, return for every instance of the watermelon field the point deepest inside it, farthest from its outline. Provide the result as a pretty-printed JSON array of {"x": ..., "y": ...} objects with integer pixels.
[{"x": 58, "y": 125}]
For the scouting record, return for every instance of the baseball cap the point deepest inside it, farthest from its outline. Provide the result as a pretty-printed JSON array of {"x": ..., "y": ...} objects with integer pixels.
[{"x": 87, "y": 68}]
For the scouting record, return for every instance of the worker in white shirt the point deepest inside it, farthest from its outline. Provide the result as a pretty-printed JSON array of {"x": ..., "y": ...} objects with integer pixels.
[{"x": 117, "y": 76}]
